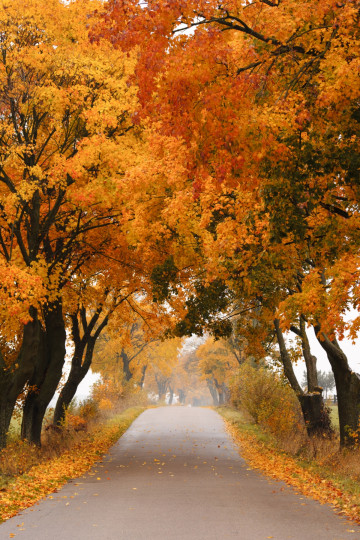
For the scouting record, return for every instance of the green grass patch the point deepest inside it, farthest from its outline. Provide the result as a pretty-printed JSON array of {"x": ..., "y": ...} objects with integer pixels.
[{"x": 334, "y": 416}]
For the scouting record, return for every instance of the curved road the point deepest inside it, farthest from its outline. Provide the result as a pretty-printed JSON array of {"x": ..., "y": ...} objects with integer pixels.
[{"x": 176, "y": 474}]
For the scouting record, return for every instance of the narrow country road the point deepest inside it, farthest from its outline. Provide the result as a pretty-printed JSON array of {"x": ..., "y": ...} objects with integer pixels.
[{"x": 176, "y": 474}]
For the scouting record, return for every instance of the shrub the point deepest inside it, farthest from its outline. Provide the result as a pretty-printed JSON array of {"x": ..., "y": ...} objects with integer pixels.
[
  {"x": 107, "y": 391},
  {"x": 75, "y": 422},
  {"x": 269, "y": 401},
  {"x": 88, "y": 409}
]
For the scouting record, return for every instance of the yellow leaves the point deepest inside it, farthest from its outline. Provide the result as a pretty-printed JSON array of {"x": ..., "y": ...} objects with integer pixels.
[
  {"x": 105, "y": 404},
  {"x": 20, "y": 288},
  {"x": 216, "y": 360}
]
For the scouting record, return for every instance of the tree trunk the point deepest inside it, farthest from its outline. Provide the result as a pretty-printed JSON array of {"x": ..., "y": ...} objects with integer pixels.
[
  {"x": 79, "y": 365},
  {"x": 347, "y": 388},
  {"x": 126, "y": 365},
  {"x": 6, "y": 411},
  {"x": 143, "y": 373},
  {"x": 77, "y": 373},
  {"x": 182, "y": 396},
  {"x": 213, "y": 392},
  {"x": 286, "y": 360},
  {"x": 316, "y": 416},
  {"x": 12, "y": 381},
  {"x": 171, "y": 397},
  {"x": 310, "y": 360},
  {"x": 220, "y": 391},
  {"x": 162, "y": 385},
  {"x": 47, "y": 374}
]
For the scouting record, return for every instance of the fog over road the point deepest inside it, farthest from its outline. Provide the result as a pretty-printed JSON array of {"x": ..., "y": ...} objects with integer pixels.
[{"x": 176, "y": 474}]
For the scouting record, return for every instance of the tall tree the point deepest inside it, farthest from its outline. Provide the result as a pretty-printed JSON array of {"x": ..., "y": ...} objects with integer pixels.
[
  {"x": 270, "y": 130},
  {"x": 65, "y": 108}
]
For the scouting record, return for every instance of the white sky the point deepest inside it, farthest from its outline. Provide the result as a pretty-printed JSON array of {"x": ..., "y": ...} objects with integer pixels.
[{"x": 352, "y": 352}]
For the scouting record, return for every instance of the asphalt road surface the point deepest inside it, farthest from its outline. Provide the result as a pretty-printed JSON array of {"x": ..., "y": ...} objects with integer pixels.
[{"x": 176, "y": 474}]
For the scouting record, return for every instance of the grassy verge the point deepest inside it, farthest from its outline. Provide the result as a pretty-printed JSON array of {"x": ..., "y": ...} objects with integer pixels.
[
  {"x": 47, "y": 476},
  {"x": 328, "y": 481}
]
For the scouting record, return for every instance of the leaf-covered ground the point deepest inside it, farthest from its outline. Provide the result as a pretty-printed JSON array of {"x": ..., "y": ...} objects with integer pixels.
[
  {"x": 306, "y": 477},
  {"x": 49, "y": 476}
]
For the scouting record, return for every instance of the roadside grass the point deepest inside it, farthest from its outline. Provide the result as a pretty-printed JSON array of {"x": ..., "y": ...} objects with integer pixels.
[
  {"x": 315, "y": 468},
  {"x": 27, "y": 473},
  {"x": 334, "y": 416}
]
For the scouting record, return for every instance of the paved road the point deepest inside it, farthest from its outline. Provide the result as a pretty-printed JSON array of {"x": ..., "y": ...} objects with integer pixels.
[{"x": 176, "y": 474}]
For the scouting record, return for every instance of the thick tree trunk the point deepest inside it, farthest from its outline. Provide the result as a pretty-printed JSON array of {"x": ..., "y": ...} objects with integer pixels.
[
  {"x": 171, "y": 397},
  {"x": 12, "y": 381},
  {"x": 347, "y": 388},
  {"x": 47, "y": 374},
  {"x": 221, "y": 390},
  {"x": 316, "y": 416},
  {"x": 6, "y": 411}
]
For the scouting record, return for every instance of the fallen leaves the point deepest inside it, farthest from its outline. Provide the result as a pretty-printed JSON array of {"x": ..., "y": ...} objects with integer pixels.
[
  {"x": 47, "y": 477},
  {"x": 283, "y": 467}
]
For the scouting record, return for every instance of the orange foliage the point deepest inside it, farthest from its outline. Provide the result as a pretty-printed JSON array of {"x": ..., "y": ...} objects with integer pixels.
[{"x": 267, "y": 399}]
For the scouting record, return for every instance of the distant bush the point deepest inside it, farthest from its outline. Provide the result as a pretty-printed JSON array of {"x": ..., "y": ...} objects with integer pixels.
[
  {"x": 75, "y": 422},
  {"x": 269, "y": 401},
  {"x": 111, "y": 396},
  {"x": 88, "y": 409}
]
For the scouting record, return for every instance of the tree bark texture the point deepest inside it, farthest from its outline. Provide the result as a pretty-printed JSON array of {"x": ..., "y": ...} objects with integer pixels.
[
  {"x": 310, "y": 360},
  {"x": 47, "y": 374},
  {"x": 315, "y": 414},
  {"x": 13, "y": 381},
  {"x": 347, "y": 388},
  {"x": 286, "y": 360}
]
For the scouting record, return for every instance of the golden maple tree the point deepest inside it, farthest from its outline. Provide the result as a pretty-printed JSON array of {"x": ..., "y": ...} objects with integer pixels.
[{"x": 66, "y": 139}]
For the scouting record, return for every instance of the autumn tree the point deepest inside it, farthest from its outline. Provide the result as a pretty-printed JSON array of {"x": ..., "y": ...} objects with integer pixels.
[
  {"x": 270, "y": 123},
  {"x": 216, "y": 364},
  {"x": 125, "y": 351},
  {"x": 65, "y": 110},
  {"x": 96, "y": 300},
  {"x": 162, "y": 358}
]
